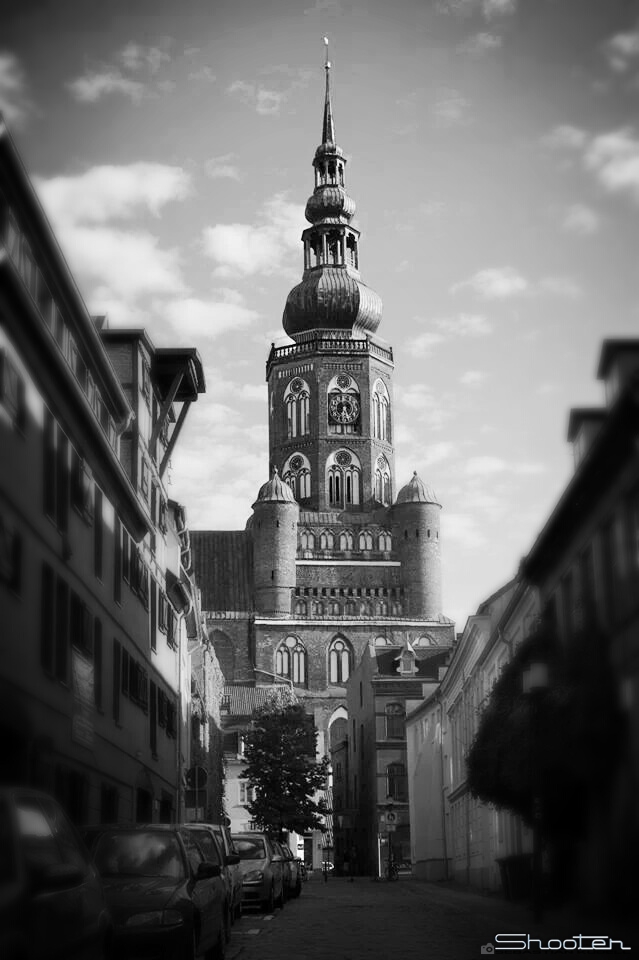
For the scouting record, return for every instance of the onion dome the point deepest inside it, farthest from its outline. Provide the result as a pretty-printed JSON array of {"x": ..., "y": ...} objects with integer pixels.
[
  {"x": 331, "y": 299},
  {"x": 275, "y": 490},
  {"x": 331, "y": 295},
  {"x": 416, "y": 491}
]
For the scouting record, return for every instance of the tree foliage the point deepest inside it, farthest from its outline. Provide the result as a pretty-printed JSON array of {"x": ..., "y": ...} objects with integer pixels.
[
  {"x": 559, "y": 745},
  {"x": 281, "y": 767}
]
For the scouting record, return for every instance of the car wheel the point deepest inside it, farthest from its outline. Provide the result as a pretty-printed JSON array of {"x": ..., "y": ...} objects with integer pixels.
[{"x": 268, "y": 905}]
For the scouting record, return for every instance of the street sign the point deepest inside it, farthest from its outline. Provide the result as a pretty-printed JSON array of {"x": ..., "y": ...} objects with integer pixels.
[
  {"x": 196, "y": 778},
  {"x": 390, "y": 827},
  {"x": 391, "y": 817}
]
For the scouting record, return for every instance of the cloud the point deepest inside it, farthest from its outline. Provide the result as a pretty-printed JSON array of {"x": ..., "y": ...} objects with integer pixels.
[
  {"x": 498, "y": 8},
  {"x": 263, "y": 101},
  {"x": 222, "y": 167},
  {"x": 430, "y": 408},
  {"x": 450, "y": 108},
  {"x": 245, "y": 249},
  {"x": 462, "y": 528},
  {"x": 120, "y": 77},
  {"x": 109, "y": 192},
  {"x": 480, "y": 43},
  {"x": 472, "y": 378},
  {"x": 487, "y": 466},
  {"x": 438, "y": 452},
  {"x": 565, "y": 137},
  {"x": 422, "y": 345},
  {"x": 465, "y": 324},
  {"x": 614, "y": 159},
  {"x": 622, "y": 50},
  {"x": 494, "y": 283},
  {"x": 198, "y": 319},
  {"x": 560, "y": 287},
  {"x": 488, "y": 8},
  {"x": 14, "y": 103},
  {"x": 580, "y": 220},
  {"x": 204, "y": 73}
]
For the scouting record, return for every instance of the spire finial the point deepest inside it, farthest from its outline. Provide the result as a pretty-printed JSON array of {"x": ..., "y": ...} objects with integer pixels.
[{"x": 328, "y": 129}]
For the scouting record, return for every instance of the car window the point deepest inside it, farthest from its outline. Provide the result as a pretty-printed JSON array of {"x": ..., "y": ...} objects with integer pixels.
[
  {"x": 8, "y": 859},
  {"x": 219, "y": 833},
  {"x": 250, "y": 849},
  {"x": 207, "y": 844},
  {"x": 36, "y": 835},
  {"x": 69, "y": 842},
  {"x": 139, "y": 853},
  {"x": 193, "y": 852}
]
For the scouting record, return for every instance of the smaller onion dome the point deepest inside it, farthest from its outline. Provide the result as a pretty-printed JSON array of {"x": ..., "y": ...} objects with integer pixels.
[
  {"x": 275, "y": 491},
  {"x": 329, "y": 202},
  {"x": 416, "y": 491}
]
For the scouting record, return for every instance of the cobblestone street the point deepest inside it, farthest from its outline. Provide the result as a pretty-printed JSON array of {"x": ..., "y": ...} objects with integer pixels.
[{"x": 407, "y": 920}]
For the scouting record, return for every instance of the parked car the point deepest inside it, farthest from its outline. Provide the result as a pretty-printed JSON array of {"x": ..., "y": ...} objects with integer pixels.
[
  {"x": 262, "y": 873},
  {"x": 52, "y": 903},
  {"x": 223, "y": 833},
  {"x": 213, "y": 847},
  {"x": 293, "y": 873},
  {"x": 166, "y": 898}
]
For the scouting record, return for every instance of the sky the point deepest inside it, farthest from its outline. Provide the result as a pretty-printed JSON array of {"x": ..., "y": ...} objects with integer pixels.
[{"x": 493, "y": 154}]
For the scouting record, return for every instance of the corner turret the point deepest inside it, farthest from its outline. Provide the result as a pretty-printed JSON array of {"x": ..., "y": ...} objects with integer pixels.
[
  {"x": 274, "y": 532},
  {"x": 416, "y": 516}
]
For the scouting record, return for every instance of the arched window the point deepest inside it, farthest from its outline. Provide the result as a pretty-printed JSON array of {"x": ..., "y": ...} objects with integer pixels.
[
  {"x": 307, "y": 540},
  {"x": 296, "y": 401},
  {"x": 339, "y": 661},
  {"x": 351, "y": 251},
  {"x": 290, "y": 660},
  {"x": 380, "y": 411},
  {"x": 383, "y": 642},
  {"x": 300, "y": 608},
  {"x": 343, "y": 404},
  {"x": 385, "y": 542},
  {"x": 297, "y": 473},
  {"x": 334, "y": 608},
  {"x": 327, "y": 540},
  {"x": 346, "y": 540},
  {"x": 382, "y": 481},
  {"x": 343, "y": 479},
  {"x": 396, "y": 781},
  {"x": 395, "y": 721},
  {"x": 366, "y": 540}
]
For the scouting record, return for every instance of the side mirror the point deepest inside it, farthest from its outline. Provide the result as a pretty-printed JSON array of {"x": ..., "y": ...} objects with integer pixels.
[
  {"x": 206, "y": 870},
  {"x": 232, "y": 859}
]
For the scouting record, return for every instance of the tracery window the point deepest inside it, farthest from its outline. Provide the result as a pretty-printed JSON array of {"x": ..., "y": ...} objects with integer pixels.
[
  {"x": 290, "y": 660},
  {"x": 296, "y": 401},
  {"x": 297, "y": 473},
  {"x": 343, "y": 405},
  {"x": 346, "y": 540},
  {"x": 327, "y": 540},
  {"x": 385, "y": 541},
  {"x": 366, "y": 540},
  {"x": 300, "y": 608},
  {"x": 395, "y": 721},
  {"x": 380, "y": 412},
  {"x": 307, "y": 540},
  {"x": 343, "y": 475},
  {"x": 339, "y": 661},
  {"x": 382, "y": 481}
]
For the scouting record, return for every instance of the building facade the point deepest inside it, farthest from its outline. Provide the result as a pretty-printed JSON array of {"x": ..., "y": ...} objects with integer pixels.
[
  {"x": 334, "y": 554},
  {"x": 94, "y": 663}
]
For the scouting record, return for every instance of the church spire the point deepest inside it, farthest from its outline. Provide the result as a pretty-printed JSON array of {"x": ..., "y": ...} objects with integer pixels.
[{"x": 328, "y": 128}]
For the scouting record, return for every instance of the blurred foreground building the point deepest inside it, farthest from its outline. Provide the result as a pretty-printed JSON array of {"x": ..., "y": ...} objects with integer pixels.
[{"x": 96, "y": 596}]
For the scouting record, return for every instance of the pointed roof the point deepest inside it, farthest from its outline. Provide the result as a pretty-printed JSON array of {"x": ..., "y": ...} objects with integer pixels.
[
  {"x": 416, "y": 491},
  {"x": 275, "y": 490},
  {"x": 328, "y": 127}
]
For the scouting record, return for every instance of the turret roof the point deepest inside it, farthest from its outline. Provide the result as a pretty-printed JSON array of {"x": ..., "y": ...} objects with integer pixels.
[
  {"x": 416, "y": 491},
  {"x": 275, "y": 490}
]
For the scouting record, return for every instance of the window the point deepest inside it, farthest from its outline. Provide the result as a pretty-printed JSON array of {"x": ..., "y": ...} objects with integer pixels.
[
  {"x": 339, "y": 661},
  {"x": 396, "y": 782},
  {"x": 81, "y": 625},
  {"x": 10, "y": 555},
  {"x": 12, "y": 392},
  {"x": 395, "y": 715},
  {"x": 365, "y": 540},
  {"x": 153, "y": 729},
  {"x": 144, "y": 477},
  {"x": 97, "y": 662},
  {"x": 343, "y": 473},
  {"x": 117, "y": 669},
  {"x": 146, "y": 382},
  {"x": 385, "y": 541},
  {"x": 297, "y": 473},
  {"x": 290, "y": 660},
  {"x": 81, "y": 486},
  {"x": 296, "y": 403},
  {"x": 247, "y": 793},
  {"x": 61, "y": 657},
  {"x": 380, "y": 411},
  {"x": 327, "y": 540},
  {"x": 346, "y": 540},
  {"x": 382, "y": 484}
]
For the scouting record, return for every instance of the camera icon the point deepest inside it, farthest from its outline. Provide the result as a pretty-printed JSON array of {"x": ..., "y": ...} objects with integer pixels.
[{"x": 487, "y": 948}]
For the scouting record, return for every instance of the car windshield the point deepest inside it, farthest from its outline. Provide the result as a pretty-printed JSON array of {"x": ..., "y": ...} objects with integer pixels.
[
  {"x": 139, "y": 854},
  {"x": 252, "y": 849}
]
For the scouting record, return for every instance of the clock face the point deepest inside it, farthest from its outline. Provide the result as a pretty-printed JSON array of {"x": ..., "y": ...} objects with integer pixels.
[{"x": 343, "y": 408}]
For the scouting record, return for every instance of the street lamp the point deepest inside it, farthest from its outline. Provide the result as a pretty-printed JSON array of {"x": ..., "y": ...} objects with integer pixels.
[{"x": 535, "y": 682}]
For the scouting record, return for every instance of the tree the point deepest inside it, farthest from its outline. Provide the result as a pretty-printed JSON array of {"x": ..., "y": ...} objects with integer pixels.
[{"x": 281, "y": 768}]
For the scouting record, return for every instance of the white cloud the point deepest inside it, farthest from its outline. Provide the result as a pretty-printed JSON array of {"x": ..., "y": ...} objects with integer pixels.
[
  {"x": 135, "y": 57},
  {"x": 96, "y": 84},
  {"x": 488, "y": 8},
  {"x": 622, "y": 49},
  {"x": 462, "y": 528},
  {"x": 580, "y": 220},
  {"x": 465, "y": 324},
  {"x": 488, "y": 466},
  {"x": 204, "y": 73},
  {"x": 614, "y": 159},
  {"x": 565, "y": 137},
  {"x": 451, "y": 107},
  {"x": 222, "y": 167},
  {"x": 111, "y": 192},
  {"x": 431, "y": 409},
  {"x": 560, "y": 287},
  {"x": 472, "y": 378},
  {"x": 480, "y": 43},
  {"x": 437, "y": 452},
  {"x": 262, "y": 100},
  {"x": 498, "y": 8},
  {"x": 494, "y": 283},
  {"x": 197, "y": 319},
  {"x": 14, "y": 104},
  {"x": 423, "y": 344},
  {"x": 245, "y": 249},
  {"x": 107, "y": 78}
]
